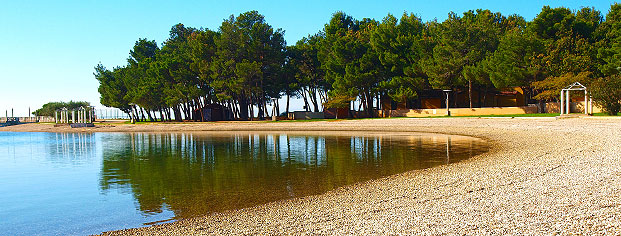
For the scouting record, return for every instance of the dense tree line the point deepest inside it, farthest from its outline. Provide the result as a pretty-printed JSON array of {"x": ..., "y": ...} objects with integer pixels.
[
  {"x": 50, "y": 108},
  {"x": 246, "y": 65}
]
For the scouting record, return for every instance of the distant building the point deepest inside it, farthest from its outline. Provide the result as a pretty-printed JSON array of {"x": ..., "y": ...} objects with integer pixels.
[{"x": 435, "y": 99}]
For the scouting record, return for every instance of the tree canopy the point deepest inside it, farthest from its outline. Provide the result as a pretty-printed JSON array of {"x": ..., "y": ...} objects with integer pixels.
[
  {"x": 49, "y": 108},
  {"x": 245, "y": 65}
]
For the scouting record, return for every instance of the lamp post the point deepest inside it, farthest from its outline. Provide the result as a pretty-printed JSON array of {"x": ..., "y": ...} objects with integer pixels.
[{"x": 447, "y": 92}]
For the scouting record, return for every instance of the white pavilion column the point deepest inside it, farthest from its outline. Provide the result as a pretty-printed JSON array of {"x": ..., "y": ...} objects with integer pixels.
[
  {"x": 562, "y": 104},
  {"x": 591, "y": 103},
  {"x": 586, "y": 103},
  {"x": 56, "y": 117},
  {"x": 567, "y": 102}
]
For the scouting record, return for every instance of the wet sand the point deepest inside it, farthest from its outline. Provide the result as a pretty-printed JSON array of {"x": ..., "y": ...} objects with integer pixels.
[{"x": 541, "y": 176}]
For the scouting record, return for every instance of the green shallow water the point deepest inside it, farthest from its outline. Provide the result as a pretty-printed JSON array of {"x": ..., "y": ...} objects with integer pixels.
[{"x": 78, "y": 183}]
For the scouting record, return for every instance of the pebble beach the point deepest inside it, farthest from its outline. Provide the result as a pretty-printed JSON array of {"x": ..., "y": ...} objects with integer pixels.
[{"x": 541, "y": 176}]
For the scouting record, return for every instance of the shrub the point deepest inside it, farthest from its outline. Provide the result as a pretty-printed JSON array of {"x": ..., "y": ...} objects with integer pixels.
[{"x": 606, "y": 93}]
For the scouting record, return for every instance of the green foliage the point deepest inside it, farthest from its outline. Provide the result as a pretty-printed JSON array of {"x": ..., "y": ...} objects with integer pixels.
[
  {"x": 610, "y": 45},
  {"x": 349, "y": 60},
  {"x": 308, "y": 76},
  {"x": 606, "y": 93},
  {"x": 516, "y": 62},
  {"x": 248, "y": 61},
  {"x": 338, "y": 101},
  {"x": 49, "y": 108},
  {"x": 400, "y": 46},
  {"x": 568, "y": 38},
  {"x": 246, "y": 64},
  {"x": 550, "y": 88},
  {"x": 463, "y": 42}
]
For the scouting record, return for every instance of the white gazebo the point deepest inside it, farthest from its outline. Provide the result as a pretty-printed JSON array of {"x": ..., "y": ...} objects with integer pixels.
[{"x": 565, "y": 108}]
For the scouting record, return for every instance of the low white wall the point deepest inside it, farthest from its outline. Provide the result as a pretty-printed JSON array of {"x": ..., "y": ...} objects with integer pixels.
[
  {"x": 459, "y": 111},
  {"x": 305, "y": 115}
]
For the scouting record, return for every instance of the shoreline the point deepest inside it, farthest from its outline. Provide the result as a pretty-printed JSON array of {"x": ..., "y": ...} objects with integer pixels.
[{"x": 540, "y": 176}]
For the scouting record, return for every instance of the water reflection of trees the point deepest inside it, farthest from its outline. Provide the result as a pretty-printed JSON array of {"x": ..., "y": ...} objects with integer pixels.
[{"x": 195, "y": 174}]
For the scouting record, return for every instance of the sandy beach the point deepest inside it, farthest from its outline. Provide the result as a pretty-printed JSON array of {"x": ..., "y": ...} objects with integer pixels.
[{"x": 541, "y": 176}]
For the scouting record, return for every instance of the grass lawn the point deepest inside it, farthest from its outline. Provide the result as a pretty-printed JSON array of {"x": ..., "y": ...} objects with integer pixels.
[{"x": 604, "y": 114}]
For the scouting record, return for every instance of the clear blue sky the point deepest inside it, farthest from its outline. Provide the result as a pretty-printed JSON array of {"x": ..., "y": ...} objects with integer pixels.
[{"x": 48, "y": 48}]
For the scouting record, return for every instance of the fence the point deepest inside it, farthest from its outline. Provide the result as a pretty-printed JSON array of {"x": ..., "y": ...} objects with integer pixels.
[
  {"x": 31, "y": 119},
  {"x": 107, "y": 114}
]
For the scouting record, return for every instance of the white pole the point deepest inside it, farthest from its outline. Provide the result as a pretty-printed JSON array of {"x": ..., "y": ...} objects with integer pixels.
[
  {"x": 586, "y": 103},
  {"x": 567, "y": 102},
  {"x": 562, "y": 104},
  {"x": 56, "y": 117}
]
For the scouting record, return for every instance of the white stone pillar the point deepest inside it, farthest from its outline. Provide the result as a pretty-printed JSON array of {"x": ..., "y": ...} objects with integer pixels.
[
  {"x": 586, "y": 103},
  {"x": 562, "y": 104},
  {"x": 56, "y": 117},
  {"x": 567, "y": 103}
]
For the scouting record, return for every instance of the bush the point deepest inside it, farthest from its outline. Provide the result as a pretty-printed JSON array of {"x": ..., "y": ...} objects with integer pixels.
[
  {"x": 606, "y": 93},
  {"x": 338, "y": 101}
]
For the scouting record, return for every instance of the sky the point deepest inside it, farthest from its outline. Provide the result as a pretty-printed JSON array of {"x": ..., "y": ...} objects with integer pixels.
[{"x": 48, "y": 49}]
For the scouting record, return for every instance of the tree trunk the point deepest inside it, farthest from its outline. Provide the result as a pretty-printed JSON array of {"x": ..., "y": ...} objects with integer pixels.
[
  {"x": 149, "y": 115},
  {"x": 243, "y": 108},
  {"x": 312, "y": 93},
  {"x": 470, "y": 93},
  {"x": 369, "y": 103},
  {"x": 265, "y": 108},
  {"x": 177, "y": 112},
  {"x": 142, "y": 114},
  {"x": 306, "y": 105},
  {"x": 277, "y": 107},
  {"x": 287, "y": 107},
  {"x": 484, "y": 96}
]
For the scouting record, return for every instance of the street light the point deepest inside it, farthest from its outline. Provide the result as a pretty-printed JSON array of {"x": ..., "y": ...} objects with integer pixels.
[{"x": 447, "y": 92}]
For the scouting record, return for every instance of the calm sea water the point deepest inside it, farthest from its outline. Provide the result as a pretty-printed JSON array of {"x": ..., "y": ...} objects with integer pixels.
[{"x": 81, "y": 183}]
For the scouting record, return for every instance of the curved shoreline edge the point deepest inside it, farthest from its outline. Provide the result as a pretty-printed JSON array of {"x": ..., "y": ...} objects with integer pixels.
[{"x": 540, "y": 176}]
